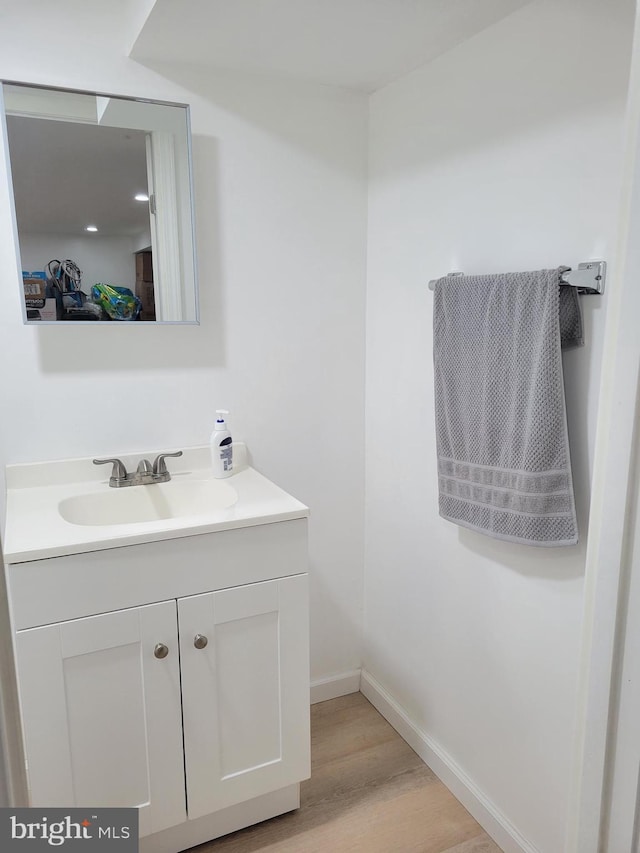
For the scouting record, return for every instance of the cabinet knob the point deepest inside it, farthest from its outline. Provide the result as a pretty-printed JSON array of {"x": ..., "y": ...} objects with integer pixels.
[
  {"x": 161, "y": 651},
  {"x": 200, "y": 641}
]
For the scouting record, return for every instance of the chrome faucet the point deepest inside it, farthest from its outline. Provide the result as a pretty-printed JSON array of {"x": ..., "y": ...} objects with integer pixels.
[{"x": 145, "y": 475}]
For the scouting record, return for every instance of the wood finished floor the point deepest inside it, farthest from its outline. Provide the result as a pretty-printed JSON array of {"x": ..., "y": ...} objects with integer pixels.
[{"x": 368, "y": 793}]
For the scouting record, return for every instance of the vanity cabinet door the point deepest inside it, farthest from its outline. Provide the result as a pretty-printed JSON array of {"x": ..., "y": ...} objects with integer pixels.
[
  {"x": 245, "y": 681},
  {"x": 101, "y": 713}
]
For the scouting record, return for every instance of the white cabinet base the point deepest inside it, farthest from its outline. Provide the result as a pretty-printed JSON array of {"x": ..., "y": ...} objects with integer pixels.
[
  {"x": 178, "y": 681},
  {"x": 194, "y": 832}
]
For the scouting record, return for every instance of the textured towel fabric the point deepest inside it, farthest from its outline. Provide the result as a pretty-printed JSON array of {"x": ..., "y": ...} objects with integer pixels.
[
  {"x": 501, "y": 429},
  {"x": 571, "y": 330}
]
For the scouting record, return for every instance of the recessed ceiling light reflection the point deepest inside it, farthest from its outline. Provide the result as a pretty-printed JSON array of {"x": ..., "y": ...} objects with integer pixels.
[{"x": 141, "y": 197}]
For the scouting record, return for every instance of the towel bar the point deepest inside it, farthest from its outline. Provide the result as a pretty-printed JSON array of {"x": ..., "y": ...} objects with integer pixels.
[{"x": 588, "y": 278}]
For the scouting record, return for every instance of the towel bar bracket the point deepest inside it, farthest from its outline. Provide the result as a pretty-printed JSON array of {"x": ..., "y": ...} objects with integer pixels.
[{"x": 588, "y": 278}]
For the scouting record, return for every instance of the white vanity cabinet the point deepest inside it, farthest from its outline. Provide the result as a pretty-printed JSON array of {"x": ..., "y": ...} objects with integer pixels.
[
  {"x": 172, "y": 676},
  {"x": 101, "y": 715},
  {"x": 246, "y": 693}
]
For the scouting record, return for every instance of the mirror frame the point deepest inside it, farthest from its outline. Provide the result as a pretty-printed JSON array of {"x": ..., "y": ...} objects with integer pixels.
[{"x": 191, "y": 211}]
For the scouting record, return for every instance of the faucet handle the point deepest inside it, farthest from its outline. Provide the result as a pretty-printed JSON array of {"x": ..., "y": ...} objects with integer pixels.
[
  {"x": 118, "y": 472},
  {"x": 159, "y": 465}
]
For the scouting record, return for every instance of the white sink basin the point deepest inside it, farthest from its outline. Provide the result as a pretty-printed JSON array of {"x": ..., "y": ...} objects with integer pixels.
[
  {"x": 66, "y": 506},
  {"x": 139, "y": 504}
]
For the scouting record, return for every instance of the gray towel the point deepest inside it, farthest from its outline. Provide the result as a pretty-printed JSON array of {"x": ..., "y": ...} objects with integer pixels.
[{"x": 501, "y": 428}]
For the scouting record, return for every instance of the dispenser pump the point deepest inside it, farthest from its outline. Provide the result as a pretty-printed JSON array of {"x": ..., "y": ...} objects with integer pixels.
[
  {"x": 220, "y": 422},
  {"x": 221, "y": 447}
]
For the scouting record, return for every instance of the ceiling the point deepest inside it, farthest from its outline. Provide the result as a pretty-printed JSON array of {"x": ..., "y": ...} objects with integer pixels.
[
  {"x": 67, "y": 175},
  {"x": 354, "y": 44}
]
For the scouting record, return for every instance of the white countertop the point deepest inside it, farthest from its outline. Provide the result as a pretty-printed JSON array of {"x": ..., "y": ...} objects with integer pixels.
[{"x": 35, "y": 530}]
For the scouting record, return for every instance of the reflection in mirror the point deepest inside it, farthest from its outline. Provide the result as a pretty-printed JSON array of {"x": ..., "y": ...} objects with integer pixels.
[{"x": 103, "y": 206}]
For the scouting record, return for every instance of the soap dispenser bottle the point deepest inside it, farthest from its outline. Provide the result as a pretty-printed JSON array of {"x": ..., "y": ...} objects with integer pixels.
[{"x": 221, "y": 447}]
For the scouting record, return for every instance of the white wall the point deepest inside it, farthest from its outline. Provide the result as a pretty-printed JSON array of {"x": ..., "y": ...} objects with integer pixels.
[
  {"x": 501, "y": 155},
  {"x": 280, "y": 194},
  {"x": 608, "y": 735},
  {"x": 107, "y": 260}
]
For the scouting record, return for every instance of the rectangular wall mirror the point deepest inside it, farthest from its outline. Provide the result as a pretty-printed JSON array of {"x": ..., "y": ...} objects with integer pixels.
[{"x": 103, "y": 206}]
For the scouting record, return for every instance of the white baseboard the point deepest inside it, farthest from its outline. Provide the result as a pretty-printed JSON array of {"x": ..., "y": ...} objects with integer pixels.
[
  {"x": 460, "y": 785},
  {"x": 335, "y": 685}
]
